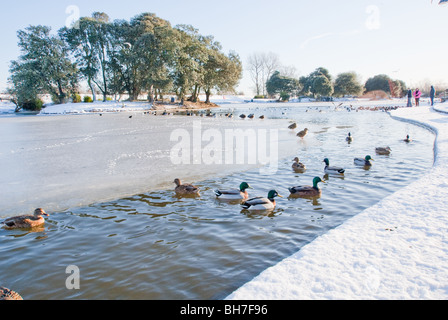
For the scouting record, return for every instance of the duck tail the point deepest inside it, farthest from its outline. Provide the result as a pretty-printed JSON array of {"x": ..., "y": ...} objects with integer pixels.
[
  {"x": 245, "y": 205},
  {"x": 217, "y": 193}
]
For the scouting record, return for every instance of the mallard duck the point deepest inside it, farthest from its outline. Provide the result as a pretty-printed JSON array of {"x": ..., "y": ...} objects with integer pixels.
[
  {"x": 364, "y": 162},
  {"x": 251, "y": 116},
  {"x": 297, "y": 165},
  {"x": 26, "y": 222},
  {"x": 307, "y": 191},
  {"x": 185, "y": 189},
  {"x": 303, "y": 133},
  {"x": 332, "y": 170},
  {"x": 243, "y": 116},
  {"x": 260, "y": 203},
  {"x": 262, "y": 117},
  {"x": 408, "y": 139},
  {"x": 240, "y": 193},
  {"x": 293, "y": 126},
  {"x": 6, "y": 294},
  {"x": 383, "y": 151},
  {"x": 349, "y": 138}
]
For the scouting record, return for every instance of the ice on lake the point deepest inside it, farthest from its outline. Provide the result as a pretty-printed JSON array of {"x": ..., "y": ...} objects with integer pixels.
[{"x": 59, "y": 162}]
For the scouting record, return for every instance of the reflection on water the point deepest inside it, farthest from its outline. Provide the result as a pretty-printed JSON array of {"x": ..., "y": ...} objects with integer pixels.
[{"x": 159, "y": 246}]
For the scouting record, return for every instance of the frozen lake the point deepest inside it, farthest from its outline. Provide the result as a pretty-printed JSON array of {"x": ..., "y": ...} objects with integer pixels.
[{"x": 107, "y": 183}]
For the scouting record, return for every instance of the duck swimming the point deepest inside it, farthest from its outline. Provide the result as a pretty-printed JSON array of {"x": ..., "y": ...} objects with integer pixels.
[
  {"x": 307, "y": 191},
  {"x": 364, "y": 162},
  {"x": 408, "y": 139},
  {"x": 260, "y": 203},
  {"x": 240, "y": 193},
  {"x": 332, "y": 170},
  {"x": 185, "y": 189},
  {"x": 349, "y": 138},
  {"x": 26, "y": 222},
  {"x": 383, "y": 151},
  {"x": 298, "y": 166}
]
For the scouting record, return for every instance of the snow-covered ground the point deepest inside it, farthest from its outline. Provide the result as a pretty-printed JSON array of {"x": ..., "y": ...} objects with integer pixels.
[{"x": 397, "y": 249}]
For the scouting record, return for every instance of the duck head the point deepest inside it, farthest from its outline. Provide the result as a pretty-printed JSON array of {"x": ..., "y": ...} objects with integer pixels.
[
  {"x": 316, "y": 181},
  {"x": 177, "y": 182},
  {"x": 327, "y": 162},
  {"x": 245, "y": 186},
  {"x": 368, "y": 158},
  {"x": 273, "y": 194},
  {"x": 40, "y": 212}
]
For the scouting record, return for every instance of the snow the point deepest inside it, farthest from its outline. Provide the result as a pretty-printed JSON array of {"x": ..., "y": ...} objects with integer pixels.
[{"x": 395, "y": 250}]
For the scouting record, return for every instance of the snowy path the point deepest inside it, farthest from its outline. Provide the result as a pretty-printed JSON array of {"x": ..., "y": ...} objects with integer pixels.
[{"x": 397, "y": 249}]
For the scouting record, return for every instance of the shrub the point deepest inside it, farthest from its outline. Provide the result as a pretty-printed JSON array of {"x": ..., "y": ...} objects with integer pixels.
[
  {"x": 76, "y": 98},
  {"x": 88, "y": 99},
  {"x": 33, "y": 105}
]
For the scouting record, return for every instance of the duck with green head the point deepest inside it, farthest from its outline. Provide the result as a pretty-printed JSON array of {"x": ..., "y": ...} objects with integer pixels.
[
  {"x": 331, "y": 169},
  {"x": 349, "y": 138},
  {"x": 307, "y": 191},
  {"x": 366, "y": 162},
  {"x": 236, "y": 194},
  {"x": 262, "y": 204}
]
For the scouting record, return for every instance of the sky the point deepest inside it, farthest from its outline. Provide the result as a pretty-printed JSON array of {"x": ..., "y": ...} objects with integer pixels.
[{"x": 404, "y": 39}]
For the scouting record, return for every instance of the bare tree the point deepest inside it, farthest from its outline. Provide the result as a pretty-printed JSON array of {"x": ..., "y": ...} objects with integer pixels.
[
  {"x": 271, "y": 63},
  {"x": 255, "y": 67},
  {"x": 261, "y": 67}
]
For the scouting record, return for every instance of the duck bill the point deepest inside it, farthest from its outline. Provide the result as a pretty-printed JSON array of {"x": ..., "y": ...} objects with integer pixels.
[{"x": 280, "y": 196}]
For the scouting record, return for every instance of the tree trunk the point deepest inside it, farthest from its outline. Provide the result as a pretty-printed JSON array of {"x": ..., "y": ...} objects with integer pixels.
[
  {"x": 207, "y": 96},
  {"x": 92, "y": 89}
]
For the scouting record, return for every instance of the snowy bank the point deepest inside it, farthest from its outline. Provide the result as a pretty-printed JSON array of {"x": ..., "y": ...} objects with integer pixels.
[{"x": 397, "y": 249}]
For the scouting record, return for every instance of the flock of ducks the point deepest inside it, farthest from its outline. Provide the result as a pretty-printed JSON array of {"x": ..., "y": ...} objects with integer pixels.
[
  {"x": 269, "y": 203},
  {"x": 184, "y": 190}
]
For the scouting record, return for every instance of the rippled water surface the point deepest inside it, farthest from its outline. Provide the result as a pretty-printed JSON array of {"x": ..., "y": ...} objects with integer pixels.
[{"x": 157, "y": 246}]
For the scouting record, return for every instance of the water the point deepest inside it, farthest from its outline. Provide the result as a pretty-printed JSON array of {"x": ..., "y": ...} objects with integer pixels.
[{"x": 153, "y": 245}]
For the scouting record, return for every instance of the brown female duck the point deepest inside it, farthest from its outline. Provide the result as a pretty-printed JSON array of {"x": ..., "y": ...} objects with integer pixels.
[{"x": 26, "y": 222}]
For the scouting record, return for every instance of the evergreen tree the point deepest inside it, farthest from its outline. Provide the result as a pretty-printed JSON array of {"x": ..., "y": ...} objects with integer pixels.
[
  {"x": 43, "y": 67},
  {"x": 347, "y": 84}
]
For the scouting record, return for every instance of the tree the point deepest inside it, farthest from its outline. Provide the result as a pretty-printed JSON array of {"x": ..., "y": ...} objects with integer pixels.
[
  {"x": 261, "y": 68},
  {"x": 282, "y": 85},
  {"x": 347, "y": 84},
  {"x": 88, "y": 43},
  {"x": 255, "y": 63},
  {"x": 322, "y": 86},
  {"x": 378, "y": 82},
  {"x": 222, "y": 72},
  {"x": 43, "y": 67},
  {"x": 318, "y": 83},
  {"x": 190, "y": 58}
]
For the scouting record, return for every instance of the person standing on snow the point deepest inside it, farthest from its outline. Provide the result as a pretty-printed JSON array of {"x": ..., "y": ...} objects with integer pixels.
[
  {"x": 409, "y": 98},
  {"x": 417, "y": 96},
  {"x": 432, "y": 95}
]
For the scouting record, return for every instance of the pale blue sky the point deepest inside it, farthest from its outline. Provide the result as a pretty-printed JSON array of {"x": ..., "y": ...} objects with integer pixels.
[{"x": 405, "y": 39}]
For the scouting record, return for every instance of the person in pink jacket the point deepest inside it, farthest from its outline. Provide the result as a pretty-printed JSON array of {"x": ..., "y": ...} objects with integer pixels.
[{"x": 417, "y": 95}]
